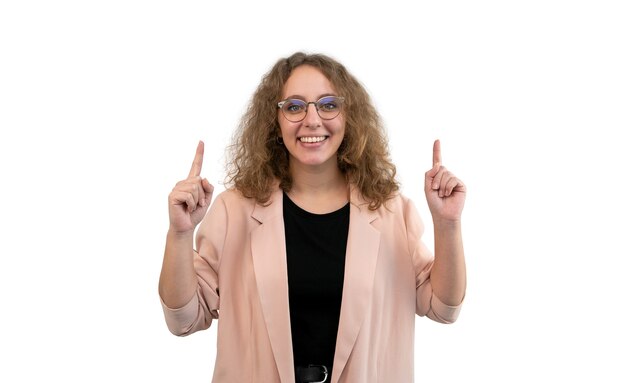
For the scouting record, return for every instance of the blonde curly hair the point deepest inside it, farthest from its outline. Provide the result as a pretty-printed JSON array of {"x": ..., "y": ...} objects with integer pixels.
[{"x": 256, "y": 160}]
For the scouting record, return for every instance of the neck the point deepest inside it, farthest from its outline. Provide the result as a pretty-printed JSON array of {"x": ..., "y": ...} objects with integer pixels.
[
  {"x": 319, "y": 190},
  {"x": 316, "y": 180}
]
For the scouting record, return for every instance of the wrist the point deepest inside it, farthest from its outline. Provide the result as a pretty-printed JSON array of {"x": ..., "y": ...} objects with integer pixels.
[
  {"x": 446, "y": 224},
  {"x": 177, "y": 235}
]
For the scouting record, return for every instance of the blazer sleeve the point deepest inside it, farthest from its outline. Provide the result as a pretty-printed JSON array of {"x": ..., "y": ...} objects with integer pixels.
[
  {"x": 203, "y": 307},
  {"x": 427, "y": 303}
]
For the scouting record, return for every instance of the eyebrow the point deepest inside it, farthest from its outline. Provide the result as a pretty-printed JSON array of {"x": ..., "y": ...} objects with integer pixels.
[{"x": 299, "y": 97}]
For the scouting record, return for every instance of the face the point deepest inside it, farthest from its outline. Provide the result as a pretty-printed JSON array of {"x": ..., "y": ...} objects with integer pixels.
[{"x": 313, "y": 141}]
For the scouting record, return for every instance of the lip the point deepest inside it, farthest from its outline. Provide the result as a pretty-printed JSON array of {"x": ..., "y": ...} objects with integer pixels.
[{"x": 312, "y": 136}]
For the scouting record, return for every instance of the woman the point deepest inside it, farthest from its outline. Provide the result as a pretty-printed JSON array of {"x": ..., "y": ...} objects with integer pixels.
[{"x": 312, "y": 259}]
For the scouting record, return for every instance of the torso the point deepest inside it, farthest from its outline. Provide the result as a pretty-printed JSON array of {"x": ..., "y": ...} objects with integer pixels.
[{"x": 316, "y": 246}]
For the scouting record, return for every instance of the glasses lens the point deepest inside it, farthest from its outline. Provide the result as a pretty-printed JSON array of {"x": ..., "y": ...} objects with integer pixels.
[
  {"x": 294, "y": 109},
  {"x": 329, "y": 107}
]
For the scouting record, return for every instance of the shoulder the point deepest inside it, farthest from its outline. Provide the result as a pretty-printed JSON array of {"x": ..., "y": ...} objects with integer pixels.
[
  {"x": 396, "y": 214},
  {"x": 396, "y": 205},
  {"x": 233, "y": 195},
  {"x": 396, "y": 202},
  {"x": 399, "y": 206},
  {"x": 399, "y": 200},
  {"x": 233, "y": 199},
  {"x": 398, "y": 218}
]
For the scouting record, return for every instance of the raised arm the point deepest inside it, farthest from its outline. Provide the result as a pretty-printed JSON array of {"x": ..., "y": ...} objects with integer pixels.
[
  {"x": 188, "y": 203},
  {"x": 445, "y": 194}
]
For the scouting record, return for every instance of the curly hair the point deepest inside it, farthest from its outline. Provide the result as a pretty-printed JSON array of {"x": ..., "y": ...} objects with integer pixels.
[{"x": 256, "y": 160}]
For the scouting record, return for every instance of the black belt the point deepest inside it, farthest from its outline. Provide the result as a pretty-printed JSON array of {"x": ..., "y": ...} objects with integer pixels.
[{"x": 313, "y": 373}]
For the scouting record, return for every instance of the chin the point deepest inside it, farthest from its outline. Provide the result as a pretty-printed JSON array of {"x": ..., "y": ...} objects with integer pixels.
[{"x": 316, "y": 161}]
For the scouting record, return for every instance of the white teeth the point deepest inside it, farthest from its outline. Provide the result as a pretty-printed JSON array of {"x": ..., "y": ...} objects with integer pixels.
[{"x": 312, "y": 139}]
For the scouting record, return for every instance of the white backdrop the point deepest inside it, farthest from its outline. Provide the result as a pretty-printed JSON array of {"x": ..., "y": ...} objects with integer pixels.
[{"x": 102, "y": 105}]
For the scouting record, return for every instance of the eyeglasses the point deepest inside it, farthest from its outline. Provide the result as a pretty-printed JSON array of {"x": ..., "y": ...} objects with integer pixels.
[{"x": 327, "y": 108}]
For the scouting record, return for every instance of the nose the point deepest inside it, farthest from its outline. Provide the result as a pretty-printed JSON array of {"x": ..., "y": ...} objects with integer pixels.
[{"x": 312, "y": 118}]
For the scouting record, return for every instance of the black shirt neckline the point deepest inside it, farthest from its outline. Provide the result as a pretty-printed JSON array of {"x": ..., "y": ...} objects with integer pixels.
[{"x": 293, "y": 207}]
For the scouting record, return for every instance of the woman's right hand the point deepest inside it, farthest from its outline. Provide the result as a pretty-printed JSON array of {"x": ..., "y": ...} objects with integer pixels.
[{"x": 189, "y": 200}]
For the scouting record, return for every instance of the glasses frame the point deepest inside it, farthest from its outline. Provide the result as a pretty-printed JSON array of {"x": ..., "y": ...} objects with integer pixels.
[{"x": 317, "y": 107}]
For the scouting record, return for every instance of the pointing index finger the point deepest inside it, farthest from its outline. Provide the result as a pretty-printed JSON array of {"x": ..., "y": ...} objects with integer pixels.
[
  {"x": 436, "y": 153},
  {"x": 196, "y": 167}
]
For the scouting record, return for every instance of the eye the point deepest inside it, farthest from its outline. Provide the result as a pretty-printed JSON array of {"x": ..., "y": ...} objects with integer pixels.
[
  {"x": 328, "y": 104},
  {"x": 294, "y": 106}
]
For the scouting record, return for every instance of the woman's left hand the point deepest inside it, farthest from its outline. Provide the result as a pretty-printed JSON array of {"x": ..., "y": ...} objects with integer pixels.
[{"x": 445, "y": 193}]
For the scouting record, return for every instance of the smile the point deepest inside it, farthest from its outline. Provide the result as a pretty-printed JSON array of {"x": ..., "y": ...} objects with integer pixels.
[{"x": 313, "y": 139}]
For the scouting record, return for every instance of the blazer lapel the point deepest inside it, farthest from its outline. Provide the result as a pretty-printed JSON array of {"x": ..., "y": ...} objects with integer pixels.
[
  {"x": 361, "y": 258},
  {"x": 269, "y": 256},
  {"x": 270, "y": 267}
]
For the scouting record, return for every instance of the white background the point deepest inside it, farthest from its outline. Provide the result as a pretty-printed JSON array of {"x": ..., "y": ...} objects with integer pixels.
[{"x": 102, "y": 105}]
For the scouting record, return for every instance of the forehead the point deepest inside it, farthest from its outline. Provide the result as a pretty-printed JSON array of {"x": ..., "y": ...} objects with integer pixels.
[{"x": 309, "y": 82}]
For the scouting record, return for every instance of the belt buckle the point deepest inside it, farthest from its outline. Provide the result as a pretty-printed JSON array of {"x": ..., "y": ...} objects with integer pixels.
[{"x": 324, "y": 370}]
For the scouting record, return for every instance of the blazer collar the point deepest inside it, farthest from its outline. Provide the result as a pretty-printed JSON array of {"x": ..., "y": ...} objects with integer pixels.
[
  {"x": 269, "y": 256},
  {"x": 361, "y": 260}
]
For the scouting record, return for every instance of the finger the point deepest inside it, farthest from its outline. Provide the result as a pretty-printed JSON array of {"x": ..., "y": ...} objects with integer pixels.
[
  {"x": 438, "y": 177},
  {"x": 183, "y": 198},
  {"x": 196, "y": 167},
  {"x": 206, "y": 185},
  {"x": 442, "y": 182},
  {"x": 448, "y": 182},
  {"x": 430, "y": 174},
  {"x": 192, "y": 203},
  {"x": 452, "y": 185},
  {"x": 436, "y": 153},
  {"x": 199, "y": 192},
  {"x": 194, "y": 188},
  {"x": 208, "y": 191}
]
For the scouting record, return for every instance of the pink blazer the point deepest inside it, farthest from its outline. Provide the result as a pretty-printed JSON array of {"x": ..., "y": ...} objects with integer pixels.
[{"x": 242, "y": 272}]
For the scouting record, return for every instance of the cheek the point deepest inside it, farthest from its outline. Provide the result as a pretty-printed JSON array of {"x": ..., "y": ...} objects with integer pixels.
[
  {"x": 287, "y": 129},
  {"x": 283, "y": 126},
  {"x": 283, "y": 123},
  {"x": 338, "y": 126}
]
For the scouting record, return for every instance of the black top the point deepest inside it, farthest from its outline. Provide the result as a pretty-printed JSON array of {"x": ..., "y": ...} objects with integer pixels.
[{"x": 316, "y": 254}]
